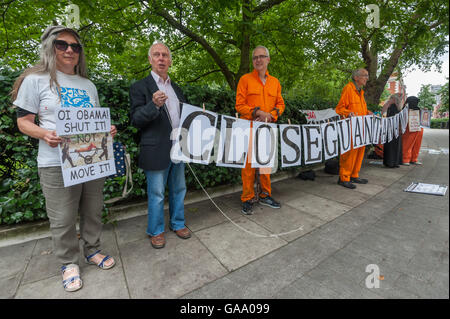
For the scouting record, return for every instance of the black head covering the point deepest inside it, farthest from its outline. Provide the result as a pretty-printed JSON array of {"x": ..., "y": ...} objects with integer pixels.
[{"x": 413, "y": 102}]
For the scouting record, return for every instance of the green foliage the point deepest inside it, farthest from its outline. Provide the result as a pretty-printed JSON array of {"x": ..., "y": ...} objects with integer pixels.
[
  {"x": 21, "y": 197},
  {"x": 439, "y": 123},
  {"x": 313, "y": 45},
  {"x": 444, "y": 98},
  {"x": 427, "y": 98}
]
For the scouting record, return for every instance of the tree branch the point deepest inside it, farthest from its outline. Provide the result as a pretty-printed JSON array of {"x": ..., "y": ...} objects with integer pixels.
[
  {"x": 266, "y": 5},
  {"x": 199, "y": 39},
  {"x": 203, "y": 75}
]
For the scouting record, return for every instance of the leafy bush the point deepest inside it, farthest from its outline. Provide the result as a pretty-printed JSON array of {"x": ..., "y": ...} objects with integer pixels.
[
  {"x": 21, "y": 197},
  {"x": 439, "y": 123}
]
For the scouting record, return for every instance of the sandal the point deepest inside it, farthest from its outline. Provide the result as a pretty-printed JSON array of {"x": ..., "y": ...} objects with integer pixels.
[
  {"x": 72, "y": 279},
  {"x": 101, "y": 264}
]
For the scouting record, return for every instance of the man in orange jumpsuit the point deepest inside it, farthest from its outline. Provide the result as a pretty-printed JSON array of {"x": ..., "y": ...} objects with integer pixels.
[
  {"x": 352, "y": 103},
  {"x": 411, "y": 141},
  {"x": 258, "y": 97}
]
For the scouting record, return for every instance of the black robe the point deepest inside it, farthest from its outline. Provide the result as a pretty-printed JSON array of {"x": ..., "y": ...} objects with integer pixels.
[{"x": 392, "y": 151}]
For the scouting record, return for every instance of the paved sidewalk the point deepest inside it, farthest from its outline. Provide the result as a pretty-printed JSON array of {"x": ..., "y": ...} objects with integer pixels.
[{"x": 406, "y": 235}]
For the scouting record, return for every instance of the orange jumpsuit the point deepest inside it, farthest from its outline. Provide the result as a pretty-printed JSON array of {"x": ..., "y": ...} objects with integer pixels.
[
  {"x": 251, "y": 93},
  {"x": 411, "y": 142},
  {"x": 351, "y": 101}
]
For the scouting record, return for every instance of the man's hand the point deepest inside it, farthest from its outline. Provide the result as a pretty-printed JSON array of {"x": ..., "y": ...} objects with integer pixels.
[
  {"x": 113, "y": 131},
  {"x": 262, "y": 116},
  {"x": 51, "y": 138},
  {"x": 159, "y": 98}
]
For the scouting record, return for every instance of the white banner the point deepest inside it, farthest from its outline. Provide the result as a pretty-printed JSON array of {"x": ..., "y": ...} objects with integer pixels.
[
  {"x": 357, "y": 131},
  {"x": 195, "y": 137},
  {"x": 404, "y": 118},
  {"x": 390, "y": 129},
  {"x": 376, "y": 130},
  {"x": 291, "y": 141},
  {"x": 330, "y": 140},
  {"x": 368, "y": 129},
  {"x": 233, "y": 143},
  {"x": 264, "y": 144},
  {"x": 396, "y": 125},
  {"x": 384, "y": 129},
  {"x": 312, "y": 143},
  {"x": 345, "y": 135}
]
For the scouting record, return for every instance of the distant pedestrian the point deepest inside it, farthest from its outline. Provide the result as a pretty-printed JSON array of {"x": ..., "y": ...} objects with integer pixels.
[{"x": 38, "y": 92}]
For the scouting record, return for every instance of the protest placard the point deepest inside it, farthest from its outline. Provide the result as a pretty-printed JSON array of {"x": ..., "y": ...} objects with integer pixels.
[
  {"x": 86, "y": 151},
  {"x": 414, "y": 120},
  {"x": 425, "y": 118}
]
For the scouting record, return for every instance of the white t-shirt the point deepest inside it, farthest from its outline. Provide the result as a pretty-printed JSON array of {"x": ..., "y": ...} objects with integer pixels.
[{"x": 35, "y": 96}]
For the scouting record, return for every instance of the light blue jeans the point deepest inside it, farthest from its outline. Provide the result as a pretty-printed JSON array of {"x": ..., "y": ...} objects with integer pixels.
[{"x": 173, "y": 176}]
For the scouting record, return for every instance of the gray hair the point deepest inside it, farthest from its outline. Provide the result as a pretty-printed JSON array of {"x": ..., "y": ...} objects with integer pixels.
[
  {"x": 159, "y": 42},
  {"x": 47, "y": 61},
  {"x": 397, "y": 99},
  {"x": 261, "y": 47},
  {"x": 357, "y": 72}
]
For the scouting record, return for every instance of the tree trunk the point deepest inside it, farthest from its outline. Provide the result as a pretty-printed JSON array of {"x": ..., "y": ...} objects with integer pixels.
[{"x": 247, "y": 19}]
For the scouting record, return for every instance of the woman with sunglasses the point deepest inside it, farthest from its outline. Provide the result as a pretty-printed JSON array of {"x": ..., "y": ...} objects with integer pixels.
[{"x": 59, "y": 79}]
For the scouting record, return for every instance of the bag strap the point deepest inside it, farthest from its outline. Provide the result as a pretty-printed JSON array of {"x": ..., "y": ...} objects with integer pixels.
[{"x": 128, "y": 177}]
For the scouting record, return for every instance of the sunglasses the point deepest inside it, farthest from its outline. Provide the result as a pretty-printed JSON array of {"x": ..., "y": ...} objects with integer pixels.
[{"x": 63, "y": 45}]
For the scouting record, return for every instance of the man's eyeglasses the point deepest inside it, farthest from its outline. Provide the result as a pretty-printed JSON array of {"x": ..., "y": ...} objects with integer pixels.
[
  {"x": 63, "y": 45},
  {"x": 260, "y": 57}
]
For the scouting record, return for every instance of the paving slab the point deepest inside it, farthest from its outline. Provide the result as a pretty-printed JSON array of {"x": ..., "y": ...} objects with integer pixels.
[
  {"x": 205, "y": 214},
  {"x": 308, "y": 288},
  {"x": 235, "y": 247},
  {"x": 170, "y": 272},
  {"x": 337, "y": 282},
  {"x": 340, "y": 195},
  {"x": 9, "y": 285},
  {"x": 317, "y": 206},
  {"x": 15, "y": 258},
  {"x": 97, "y": 284},
  {"x": 291, "y": 223}
]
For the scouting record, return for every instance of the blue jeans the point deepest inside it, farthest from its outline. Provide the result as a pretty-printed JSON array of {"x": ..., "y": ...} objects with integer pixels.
[{"x": 156, "y": 184}]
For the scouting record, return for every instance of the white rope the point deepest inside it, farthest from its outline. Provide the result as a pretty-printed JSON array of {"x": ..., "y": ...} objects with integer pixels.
[{"x": 240, "y": 227}]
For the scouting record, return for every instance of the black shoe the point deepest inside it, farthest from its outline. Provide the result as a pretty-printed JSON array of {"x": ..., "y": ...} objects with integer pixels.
[
  {"x": 269, "y": 201},
  {"x": 346, "y": 184},
  {"x": 358, "y": 180},
  {"x": 247, "y": 208}
]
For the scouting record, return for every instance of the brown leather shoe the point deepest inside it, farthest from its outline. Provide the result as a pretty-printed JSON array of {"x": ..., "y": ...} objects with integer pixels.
[
  {"x": 158, "y": 241},
  {"x": 183, "y": 233}
]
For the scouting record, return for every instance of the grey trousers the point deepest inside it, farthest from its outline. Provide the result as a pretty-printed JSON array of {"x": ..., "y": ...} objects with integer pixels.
[{"x": 63, "y": 205}]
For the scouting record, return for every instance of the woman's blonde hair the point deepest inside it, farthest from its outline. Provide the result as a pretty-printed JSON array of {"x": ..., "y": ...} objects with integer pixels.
[{"x": 47, "y": 61}]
